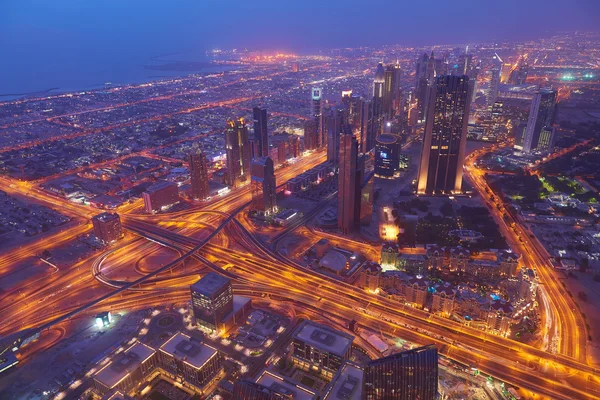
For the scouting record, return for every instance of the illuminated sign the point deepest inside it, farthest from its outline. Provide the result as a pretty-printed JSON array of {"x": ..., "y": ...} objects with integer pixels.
[{"x": 316, "y": 93}]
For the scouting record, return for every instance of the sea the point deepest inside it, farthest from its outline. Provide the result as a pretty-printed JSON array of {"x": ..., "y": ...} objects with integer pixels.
[{"x": 72, "y": 73}]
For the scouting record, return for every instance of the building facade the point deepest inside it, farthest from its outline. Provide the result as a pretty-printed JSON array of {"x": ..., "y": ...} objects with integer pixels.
[
  {"x": 237, "y": 147},
  {"x": 198, "y": 174},
  {"x": 212, "y": 300},
  {"x": 261, "y": 134},
  {"x": 445, "y": 140},
  {"x": 107, "y": 227}
]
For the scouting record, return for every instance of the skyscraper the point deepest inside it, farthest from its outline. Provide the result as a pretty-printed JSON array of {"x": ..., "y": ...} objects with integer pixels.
[
  {"x": 391, "y": 89},
  {"x": 263, "y": 186},
  {"x": 426, "y": 75},
  {"x": 349, "y": 183},
  {"x": 495, "y": 74},
  {"x": 311, "y": 136},
  {"x": 409, "y": 375},
  {"x": 212, "y": 300},
  {"x": 317, "y": 106},
  {"x": 334, "y": 123},
  {"x": 444, "y": 143},
  {"x": 261, "y": 135},
  {"x": 198, "y": 173},
  {"x": 541, "y": 115},
  {"x": 238, "y": 152},
  {"x": 464, "y": 64}
]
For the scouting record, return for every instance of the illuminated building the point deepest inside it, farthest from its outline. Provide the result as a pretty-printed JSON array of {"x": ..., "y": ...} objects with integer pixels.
[
  {"x": 107, "y": 227},
  {"x": 248, "y": 390},
  {"x": 126, "y": 370},
  {"x": 391, "y": 89},
  {"x": 317, "y": 108},
  {"x": 425, "y": 79},
  {"x": 387, "y": 150},
  {"x": 263, "y": 186},
  {"x": 376, "y": 113},
  {"x": 541, "y": 115},
  {"x": 492, "y": 94},
  {"x": 443, "y": 300},
  {"x": 103, "y": 319},
  {"x": 464, "y": 64},
  {"x": 370, "y": 127},
  {"x": 347, "y": 384},
  {"x": 261, "y": 134},
  {"x": 237, "y": 147},
  {"x": 181, "y": 358},
  {"x": 212, "y": 300},
  {"x": 276, "y": 383},
  {"x": 520, "y": 132},
  {"x": 295, "y": 67},
  {"x": 407, "y": 375},
  {"x": 311, "y": 136},
  {"x": 160, "y": 196},
  {"x": 499, "y": 318},
  {"x": 445, "y": 140},
  {"x": 505, "y": 70},
  {"x": 415, "y": 291},
  {"x": 368, "y": 277},
  {"x": 350, "y": 179},
  {"x": 389, "y": 255},
  {"x": 186, "y": 359},
  {"x": 319, "y": 348},
  {"x": 198, "y": 174}
]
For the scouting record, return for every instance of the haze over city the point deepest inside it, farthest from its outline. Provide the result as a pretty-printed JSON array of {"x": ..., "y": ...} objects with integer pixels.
[{"x": 299, "y": 200}]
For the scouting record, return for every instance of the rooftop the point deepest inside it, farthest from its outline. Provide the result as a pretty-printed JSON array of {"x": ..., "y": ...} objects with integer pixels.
[
  {"x": 188, "y": 349},
  {"x": 210, "y": 284},
  {"x": 284, "y": 386},
  {"x": 333, "y": 260},
  {"x": 124, "y": 363},
  {"x": 324, "y": 338},
  {"x": 105, "y": 217},
  {"x": 159, "y": 186},
  {"x": 346, "y": 384}
]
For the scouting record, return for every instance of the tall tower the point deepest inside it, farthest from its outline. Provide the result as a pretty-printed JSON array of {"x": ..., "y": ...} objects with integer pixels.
[
  {"x": 445, "y": 140},
  {"x": 348, "y": 184},
  {"x": 334, "y": 123},
  {"x": 426, "y": 78},
  {"x": 376, "y": 112},
  {"x": 495, "y": 74},
  {"x": 264, "y": 186},
  {"x": 311, "y": 135},
  {"x": 541, "y": 117},
  {"x": 237, "y": 148},
  {"x": 261, "y": 135},
  {"x": 407, "y": 375},
  {"x": 198, "y": 173},
  {"x": 317, "y": 106}
]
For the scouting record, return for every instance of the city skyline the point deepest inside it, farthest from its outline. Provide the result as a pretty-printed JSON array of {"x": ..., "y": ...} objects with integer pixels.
[{"x": 367, "y": 222}]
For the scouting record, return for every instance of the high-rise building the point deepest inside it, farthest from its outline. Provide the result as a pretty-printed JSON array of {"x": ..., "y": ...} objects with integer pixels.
[
  {"x": 238, "y": 152},
  {"x": 495, "y": 74},
  {"x": 107, "y": 227},
  {"x": 426, "y": 75},
  {"x": 464, "y": 64},
  {"x": 261, "y": 135},
  {"x": 263, "y": 186},
  {"x": 317, "y": 108},
  {"x": 541, "y": 115},
  {"x": 212, "y": 300},
  {"x": 445, "y": 140},
  {"x": 391, "y": 88},
  {"x": 334, "y": 123},
  {"x": 370, "y": 126},
  {"x": 408, "y": 375},
  {"x": 387, "y": 151},
  {"x": 350, "y": 179},
  {"x": 248, "y": 390},
  {"x": 310, "y": 135},
  {"x": 160, "y": 196},
  {"x": 198, "y": 173},
  {"x": 377, "y": 112}
]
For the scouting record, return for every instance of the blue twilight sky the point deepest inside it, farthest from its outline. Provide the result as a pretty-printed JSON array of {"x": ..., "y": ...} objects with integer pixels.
[{"x": 98, "y": 37}]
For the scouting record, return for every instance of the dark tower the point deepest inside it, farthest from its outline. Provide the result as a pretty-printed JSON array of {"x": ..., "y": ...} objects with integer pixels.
[{"x": 445, "y": 139}]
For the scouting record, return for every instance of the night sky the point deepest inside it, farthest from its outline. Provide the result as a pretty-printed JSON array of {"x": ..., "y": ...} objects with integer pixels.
[{"x": 48, "y": 36}]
